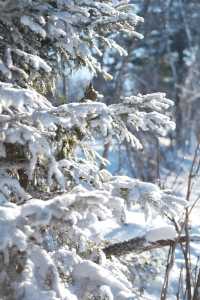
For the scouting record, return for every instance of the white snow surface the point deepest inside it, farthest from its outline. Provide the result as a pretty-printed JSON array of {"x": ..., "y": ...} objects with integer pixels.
[
  {"x": 161, "y": 233},
  {"x": 96, "y": 274}
]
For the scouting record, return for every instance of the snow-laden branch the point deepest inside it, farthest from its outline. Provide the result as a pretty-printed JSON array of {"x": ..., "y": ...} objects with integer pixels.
[
  {"x": 28, "y": 119},
  {"x": 30, "y": 230},
  {"x": 73, "y": 29},
  {"x": 141, "y": 244}
]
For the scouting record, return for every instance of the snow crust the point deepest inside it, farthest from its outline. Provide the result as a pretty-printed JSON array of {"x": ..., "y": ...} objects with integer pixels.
[{"x": 161, "y": 233}]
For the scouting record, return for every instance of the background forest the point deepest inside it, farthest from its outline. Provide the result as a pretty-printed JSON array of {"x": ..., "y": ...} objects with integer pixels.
[
  {"x": 99, "y": 150},
  {"x": 165, "y": 60}
]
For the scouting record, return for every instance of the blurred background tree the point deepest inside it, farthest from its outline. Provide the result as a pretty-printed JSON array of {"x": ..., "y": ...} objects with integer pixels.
[{"x": 167, "y": 59}]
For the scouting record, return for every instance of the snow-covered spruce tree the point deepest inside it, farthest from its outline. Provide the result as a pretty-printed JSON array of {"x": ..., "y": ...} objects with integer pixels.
[{"x": 51, "y": 189}]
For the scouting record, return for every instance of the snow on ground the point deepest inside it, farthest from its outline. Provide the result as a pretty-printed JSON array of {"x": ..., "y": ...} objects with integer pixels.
[
  {"x": 176, "y": 179},
  {"x": 174, "y": 176}
]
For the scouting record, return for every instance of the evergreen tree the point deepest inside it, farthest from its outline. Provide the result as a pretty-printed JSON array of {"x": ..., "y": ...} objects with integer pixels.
[{"x": 52, "y": 191}]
